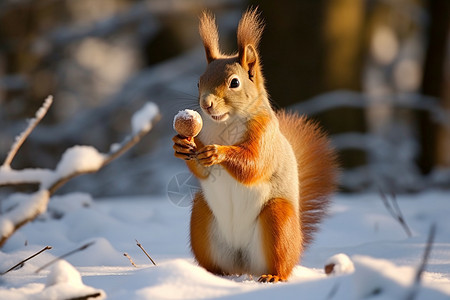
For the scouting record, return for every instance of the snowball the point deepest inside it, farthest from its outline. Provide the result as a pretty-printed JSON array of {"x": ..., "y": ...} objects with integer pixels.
[
  {"x": 79, "y": 159},
  {"x": 339, "y": 264},
  {"x": 142, "y": 119},
  {"x": 63, "y": 272}
]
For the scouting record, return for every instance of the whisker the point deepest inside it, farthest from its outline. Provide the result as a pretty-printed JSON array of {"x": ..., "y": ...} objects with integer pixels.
[{"x": 184, "y": 104}]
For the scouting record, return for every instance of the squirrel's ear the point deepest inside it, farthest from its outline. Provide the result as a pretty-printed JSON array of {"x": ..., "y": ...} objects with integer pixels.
[
  {"x": 248, "y": 58},
  {"x": 248, "y": 36},
  {"x": 210, "y": 36}
]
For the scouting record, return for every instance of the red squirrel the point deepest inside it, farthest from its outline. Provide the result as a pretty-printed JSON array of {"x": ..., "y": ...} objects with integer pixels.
[{"x": 266, "y": 177}]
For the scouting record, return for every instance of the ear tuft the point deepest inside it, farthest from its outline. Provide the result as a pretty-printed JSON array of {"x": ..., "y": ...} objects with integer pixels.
[
  {"x": 210, "y": 35},
  {"x": 248, "y": 36},
  {"x": 250, "y": 29}
]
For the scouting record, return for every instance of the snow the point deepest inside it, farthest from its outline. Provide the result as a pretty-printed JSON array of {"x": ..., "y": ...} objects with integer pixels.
[
  {"x": 44, "y": 108},
  {"x": 18, "y": 207},
  {"x": 11, "y": 176},
  {"x": 359, "y": 231},
  {"x": 340, "y": 264},
  {"x": 187, "y": 114},
  {"x": 63, "y": 272},
  {"x": 376, "y": 276},
  {"x": 64, "y": 282},
  {"x": 79, "y": 159},
  {"x": 142, "y": 119}
]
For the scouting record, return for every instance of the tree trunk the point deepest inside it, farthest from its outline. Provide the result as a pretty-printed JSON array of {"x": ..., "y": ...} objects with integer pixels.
[{"x": 433, "y": 79}]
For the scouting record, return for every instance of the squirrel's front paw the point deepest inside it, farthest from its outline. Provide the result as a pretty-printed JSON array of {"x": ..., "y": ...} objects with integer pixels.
[
  {"x": 211, "y": 155},
  {"x": 184, "y": 148}
]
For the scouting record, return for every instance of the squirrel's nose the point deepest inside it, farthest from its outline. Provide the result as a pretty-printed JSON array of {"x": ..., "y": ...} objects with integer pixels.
[{"x": 207, "y": 103}]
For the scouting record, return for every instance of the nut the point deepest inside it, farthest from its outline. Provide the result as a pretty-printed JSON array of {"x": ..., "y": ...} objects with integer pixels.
[{"x": 188, "y": 123}]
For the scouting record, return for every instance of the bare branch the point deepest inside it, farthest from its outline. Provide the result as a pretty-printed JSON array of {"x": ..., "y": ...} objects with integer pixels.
[
  {"x": 333, "y": 291},
  {"x": 129, "y": 258},
  {"x": 426, "y": 255},
  {"x": 124, "y": 146},
  {"x": 84, "y": 247},
  {"x": 23, "y": 136},
  {"x": 28, "y": 208},
  {"x": 87, "y": 297},
  {"x": 75, "y": 161},
  {"x": 20, "y": 264},
  {"x": 142, "y": 248},
  {"x": 395, "y": 211}
]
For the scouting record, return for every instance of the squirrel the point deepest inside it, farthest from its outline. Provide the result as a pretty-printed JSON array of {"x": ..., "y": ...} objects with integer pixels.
[{"x": 266, "y": 177}]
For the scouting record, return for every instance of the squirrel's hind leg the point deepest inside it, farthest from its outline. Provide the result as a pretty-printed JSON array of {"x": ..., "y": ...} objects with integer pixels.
[
  {"x": 281, "y": 239},
  {"x": 201, "y": 220}
]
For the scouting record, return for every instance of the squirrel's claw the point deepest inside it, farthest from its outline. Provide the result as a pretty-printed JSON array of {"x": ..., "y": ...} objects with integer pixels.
[
  {"x": 184, "y": 148},
  {"x": 270, "y": 279},
  {"x": 184, "y": 142},
  {"x": 210, "y": 155},
  {"x": 184, "y": 156}
]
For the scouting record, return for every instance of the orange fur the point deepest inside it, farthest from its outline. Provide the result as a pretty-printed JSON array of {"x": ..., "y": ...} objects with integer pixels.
[
  {"x": 201, "y": 219},
  {"x": 317, "y": 169},
  {"x": 281, "y": 237},
  {"x": 262, "y": 156},
  {"x": 245, "y": 161}
]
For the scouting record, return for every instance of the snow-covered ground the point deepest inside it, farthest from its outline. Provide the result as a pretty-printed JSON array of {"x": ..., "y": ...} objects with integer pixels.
[{"x": 385, "y": 259}]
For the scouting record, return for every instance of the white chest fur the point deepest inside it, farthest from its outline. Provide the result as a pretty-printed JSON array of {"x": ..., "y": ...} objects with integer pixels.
[
  {"x": 235, "y": 235},
  {"x": 235, "y": 206}
]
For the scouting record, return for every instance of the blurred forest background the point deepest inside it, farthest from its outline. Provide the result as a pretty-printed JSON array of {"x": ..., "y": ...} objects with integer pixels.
[{"x": 375, "y": 73}]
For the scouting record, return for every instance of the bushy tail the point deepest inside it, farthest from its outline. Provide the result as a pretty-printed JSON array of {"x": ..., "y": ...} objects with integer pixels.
[{"x": 317, "y": 169}]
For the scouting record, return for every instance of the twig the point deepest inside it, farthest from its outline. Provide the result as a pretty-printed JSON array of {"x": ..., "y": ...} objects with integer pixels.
[
  {"x": 426, "y": 255},
  {"x": 333, "y": 291},
  {"x": 86, "y": 297},
  {"x": 50, "y": 181},
  {"x": 401, "y": 219},
  {"x": 84, "y": 247},
  {"x": 129, "y": 258},
  {"x": 125, "y": 145},
  {"x": 395, "y": 211},
  {"x": 142, "y": 248},
  {"x": 27, "y": 259},
  {"x": 23, "y": 136}
]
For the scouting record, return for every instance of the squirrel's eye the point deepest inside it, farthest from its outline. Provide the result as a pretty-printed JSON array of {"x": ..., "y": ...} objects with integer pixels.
[{"x": 234, "y": 83}]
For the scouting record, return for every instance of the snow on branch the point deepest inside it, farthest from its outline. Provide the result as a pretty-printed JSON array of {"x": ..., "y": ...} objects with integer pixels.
[
  {"x": 23, "y": 136},
  {"x": 19, "y": 209}
]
